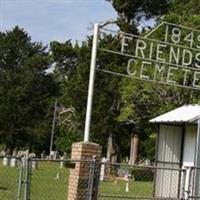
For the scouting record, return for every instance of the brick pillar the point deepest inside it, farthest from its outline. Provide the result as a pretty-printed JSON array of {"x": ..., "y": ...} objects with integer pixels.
[{"x": 80, "y": 176}]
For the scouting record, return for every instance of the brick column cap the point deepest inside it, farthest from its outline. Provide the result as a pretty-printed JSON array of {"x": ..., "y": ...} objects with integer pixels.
[{"x": 87, "y": 144}]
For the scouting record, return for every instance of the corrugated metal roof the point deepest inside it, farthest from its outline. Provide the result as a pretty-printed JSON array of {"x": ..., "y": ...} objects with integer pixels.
[{"x": 184, "y": 114}]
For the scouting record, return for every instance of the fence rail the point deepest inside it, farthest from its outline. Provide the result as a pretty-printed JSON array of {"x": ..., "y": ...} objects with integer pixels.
[
  {"x": 194, "y": 185},
  {"x": 41, "y": 179},
  {"x": 9, "y": 178},
  {"x": 123, "y": 181}
]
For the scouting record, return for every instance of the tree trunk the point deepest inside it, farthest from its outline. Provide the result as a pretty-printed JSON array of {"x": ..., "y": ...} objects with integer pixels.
[
  {"x": 134, "y": 150},
  {"x": 111, "y": 150},
  {"x": 109, "y": 147}
]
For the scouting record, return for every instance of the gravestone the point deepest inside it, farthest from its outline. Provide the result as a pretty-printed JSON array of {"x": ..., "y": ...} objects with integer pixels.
[
  {"x": 13, "y": 162},
  {"x": 6, "y": 161},
  {"x": 103, "y": 173}
]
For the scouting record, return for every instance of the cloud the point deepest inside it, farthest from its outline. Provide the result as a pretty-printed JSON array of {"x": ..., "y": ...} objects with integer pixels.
[{"x": 47, "y": 20}]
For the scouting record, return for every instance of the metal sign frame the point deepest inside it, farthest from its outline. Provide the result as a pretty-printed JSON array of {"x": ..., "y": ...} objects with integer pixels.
[
  {"x": 184, "y": 50},
  {"x": 185, "y": 58}
]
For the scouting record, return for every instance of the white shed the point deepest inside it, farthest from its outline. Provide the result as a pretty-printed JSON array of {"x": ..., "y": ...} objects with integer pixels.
[{"x": 178, "y": 147}]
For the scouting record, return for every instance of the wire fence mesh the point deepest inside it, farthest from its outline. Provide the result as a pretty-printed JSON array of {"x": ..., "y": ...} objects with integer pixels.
[
  {"x": 194, "y": 185},
  {"x": 40, "y": 179},
  {"x": 123, "y": 181},
  {"x": 49, "y": 180},
  {"x": 10, "y": 170}
]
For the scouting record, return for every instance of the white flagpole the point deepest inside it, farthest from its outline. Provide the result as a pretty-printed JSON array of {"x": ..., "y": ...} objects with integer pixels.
[
  {"x": 91, "y": 83},
  {"x": 53, "y": 128}
]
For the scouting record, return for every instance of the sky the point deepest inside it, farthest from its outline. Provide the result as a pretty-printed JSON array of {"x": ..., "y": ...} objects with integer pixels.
[{"x": 48, "y": 20}]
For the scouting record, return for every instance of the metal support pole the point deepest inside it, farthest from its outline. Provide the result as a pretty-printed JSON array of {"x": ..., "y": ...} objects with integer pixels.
[
  {"x": 53, "y": 128},
  {"x": 92, "y": 177},
  {"x": 197, "y": 163},
  {"x": 91, "y": 83},
  {"x": 27, "y": 179},
  {"x": 20, "y": 179},
  {"x": 197, "y": 144}
]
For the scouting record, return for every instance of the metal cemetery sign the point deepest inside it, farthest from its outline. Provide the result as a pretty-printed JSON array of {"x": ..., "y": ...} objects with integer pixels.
[{"x": 173, "y": 60}]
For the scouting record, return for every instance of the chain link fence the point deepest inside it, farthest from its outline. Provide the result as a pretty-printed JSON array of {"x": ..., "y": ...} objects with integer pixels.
[
  {"x": 49, "y": 180},
  {"x": 194, "y": 185},
  {"x": 10, "y": 173},
  {"x": 123, "y": 181},
  {"x": 40, "y": 179}
]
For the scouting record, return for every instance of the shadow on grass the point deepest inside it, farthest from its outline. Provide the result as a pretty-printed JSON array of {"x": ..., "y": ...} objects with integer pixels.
[{"x": 3, "y": 188}]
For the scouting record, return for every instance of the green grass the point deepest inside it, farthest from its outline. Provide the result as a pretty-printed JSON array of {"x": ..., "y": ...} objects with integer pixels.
[
  {"x": 136, "y": 188},
  {"x": 46, "y": 185},
  {"x": 49, "y": 182},
  {"x": 8, "y": 183}
]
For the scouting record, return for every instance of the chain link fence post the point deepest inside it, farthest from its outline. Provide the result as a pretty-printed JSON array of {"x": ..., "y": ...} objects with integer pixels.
[
  {"x": 27, "y": 178},
  {"x": 94, "y": 179},
  {"x": 20, "y": 182},
  {"x": 182, "y": 185},
  {"x": 91, "y": 178}
]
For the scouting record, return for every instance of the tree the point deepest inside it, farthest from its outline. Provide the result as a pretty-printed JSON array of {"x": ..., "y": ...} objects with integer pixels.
[
  {"x": 131, "y": 14},
  {"x": 142, "y": 101},
  {"x": 26, "y": 91},
  {"x": 121, "y": 107},
  {"x": 73, "y": 61},
  {"x": 75, "y": 67},
  {"x": 134, "y": 109}
]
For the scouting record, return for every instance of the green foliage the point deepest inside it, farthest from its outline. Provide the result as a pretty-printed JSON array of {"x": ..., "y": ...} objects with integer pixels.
[
  {"x": 74, "y": 94},
  {"x": 148, "y": 148},
  {"x": 141, "y": 101},
  {"x": 121, "y": 106},
  {"x": 133, "y": 13},
  {"x": 26, "y": 91}
]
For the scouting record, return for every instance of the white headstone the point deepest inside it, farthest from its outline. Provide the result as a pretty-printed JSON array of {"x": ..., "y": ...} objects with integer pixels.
[
  {"x": 127, "y": 187},
  {"x": 34, "y": 164},
  {"x": 13, "y": 162},
  {"x": 23, "y": 161},
  {"x": 127, "y": 177},
  {"x": 61, "y": 162},
  {"x": 6, "y": 161},
  {"x": 58, "y": 175},
  {"x": 103, "y": 169}
]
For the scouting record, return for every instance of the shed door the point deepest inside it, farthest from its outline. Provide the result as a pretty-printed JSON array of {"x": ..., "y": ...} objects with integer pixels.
[
  {"x": 168, "y": 156},
  {"x": 189, "y": 146}
]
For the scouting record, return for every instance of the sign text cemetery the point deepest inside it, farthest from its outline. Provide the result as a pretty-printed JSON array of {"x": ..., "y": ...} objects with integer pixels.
[{"x": 174, "y": 59}]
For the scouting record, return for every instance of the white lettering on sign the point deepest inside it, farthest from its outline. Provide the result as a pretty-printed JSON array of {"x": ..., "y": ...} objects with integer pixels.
[
  {"x": 164, "y": 53},
  {"x": 159, "y": 70},
  {"x": 174, "y": 55},
  {"x": 186, "y": 72},
  {"x": 162, "y": 73},
  {"x": 144, "y": 67},
  {"x": 186, "y": 57},
  {"x": 197, "y": 64},
  {"x": 170, "y": 74},
  {"x": 196, "y": 79},
  {"x": 160, "y": 52},
  {"x": 131, "y": 63},
  {"x": 174, "y": 61},
  {"x": 140, "y": 47},
  {"x": 125, "y": 43}
]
